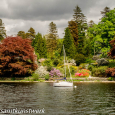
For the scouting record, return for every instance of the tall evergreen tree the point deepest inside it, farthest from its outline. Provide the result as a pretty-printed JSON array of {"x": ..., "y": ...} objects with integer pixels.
[
  {"x": 52, "y": 38},
  {"x": 69, "y": 44},
  {"x": 106, "y": 10},
  {"x": 74, "y": 31},
  {"x": 80, "y": 19},
  {"x": 91, "y": 23},
  {"x": 39, "y": 44}
]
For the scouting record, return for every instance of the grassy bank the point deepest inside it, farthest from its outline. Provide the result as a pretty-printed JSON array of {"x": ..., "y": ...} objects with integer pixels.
[{"x": 77, "y": 79}]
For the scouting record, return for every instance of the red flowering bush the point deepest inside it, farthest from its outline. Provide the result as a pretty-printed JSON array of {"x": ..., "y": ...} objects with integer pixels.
[
  {"x": 16, "y": 57},
  {"x": 110, "y": 72},
  {"x": 82, "y": 73}
]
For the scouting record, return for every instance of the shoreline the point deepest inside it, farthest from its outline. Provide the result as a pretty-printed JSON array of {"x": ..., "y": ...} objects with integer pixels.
[
  {"x": 54, "y": 81},
  {"x": 78, "y": 80}
]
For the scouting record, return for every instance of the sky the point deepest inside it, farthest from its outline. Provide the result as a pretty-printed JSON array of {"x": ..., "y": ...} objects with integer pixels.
[{"x": 20, "y": 15}]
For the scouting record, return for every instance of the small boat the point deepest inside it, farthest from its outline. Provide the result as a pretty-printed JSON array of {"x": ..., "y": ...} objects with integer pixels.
[{"x": 64, "y": 83}]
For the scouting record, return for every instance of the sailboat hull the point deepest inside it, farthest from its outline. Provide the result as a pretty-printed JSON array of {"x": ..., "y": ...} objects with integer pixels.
[{"x": 63, "y": 84}]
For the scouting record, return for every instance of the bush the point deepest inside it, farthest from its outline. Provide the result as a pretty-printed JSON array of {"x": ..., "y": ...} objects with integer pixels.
[
  {"x": 41, "y": 71},
  {"x": 82, "y": 73},
  {"x": 88, "y": 60},
  {"x": 99, "y": 71},
  {"x": 82, "y": 66},
  {"x": 111, "y": 64},
  {"x": 90, "y": 67},
  {"x": 102, "y": 61},
  {"x": 56, "y": 62},
  {"x": 47, "y": 62},
  {"x": 55, "y": 73},
  {"x": 49, "y": 68},
  {"x": 110, "y": 78},
  {"x": 73, "y": 69},
  {"x": 72, "y": 61},
  {"x": 47, "y": 77},
  {"x": 110, "y": 72},
  {"x": 35, "y": 77},
  {"x": 79, "y": 58}
]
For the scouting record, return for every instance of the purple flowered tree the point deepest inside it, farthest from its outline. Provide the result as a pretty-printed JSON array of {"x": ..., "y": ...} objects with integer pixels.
[{"x": 55, "y": 73}]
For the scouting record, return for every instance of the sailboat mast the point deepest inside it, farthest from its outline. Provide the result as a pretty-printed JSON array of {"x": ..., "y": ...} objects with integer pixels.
[{"x": 64, "y": 60}]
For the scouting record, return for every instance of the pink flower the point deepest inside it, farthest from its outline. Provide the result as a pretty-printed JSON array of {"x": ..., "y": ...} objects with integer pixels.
[{"x": 77, "y": 74}]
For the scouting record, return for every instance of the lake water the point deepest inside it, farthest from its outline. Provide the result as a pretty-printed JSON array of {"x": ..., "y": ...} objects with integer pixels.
[{"x": 86, "y": 99}]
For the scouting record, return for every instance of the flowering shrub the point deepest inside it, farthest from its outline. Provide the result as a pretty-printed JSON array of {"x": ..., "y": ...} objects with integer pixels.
[
  {"x": 41, "y": 71},
  {"x": 55, "y": 73},
  {"x": 110, "y": 72},
  {"x": 82, "y": 73}
]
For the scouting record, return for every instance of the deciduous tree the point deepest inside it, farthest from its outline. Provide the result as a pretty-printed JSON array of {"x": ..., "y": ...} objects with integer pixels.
[
  {"x": 112, "y": 50},
  {"x": 31, "y": 33},
  {"x": 16, "y": 57},
  {"x": 22, "y": 34}
]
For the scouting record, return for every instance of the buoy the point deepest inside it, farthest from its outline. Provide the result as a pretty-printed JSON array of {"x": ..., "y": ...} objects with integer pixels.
[{"x": 75, "y": 86}]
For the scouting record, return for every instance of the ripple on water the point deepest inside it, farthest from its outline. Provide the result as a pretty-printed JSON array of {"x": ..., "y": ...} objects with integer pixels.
[{"x": 87, "y": 98}]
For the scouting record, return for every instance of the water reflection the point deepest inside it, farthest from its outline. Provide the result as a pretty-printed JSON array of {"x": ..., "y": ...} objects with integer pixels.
[{"x": 86, "y": 99}]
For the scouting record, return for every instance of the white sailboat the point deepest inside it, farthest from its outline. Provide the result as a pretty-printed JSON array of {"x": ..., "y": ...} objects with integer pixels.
[{"x": 64, "y": 83}]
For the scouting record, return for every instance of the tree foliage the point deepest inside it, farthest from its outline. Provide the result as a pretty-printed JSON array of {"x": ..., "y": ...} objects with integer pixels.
[
  {"x": 74, "y": 31},
  {"x": 22, "y": 34},
  {"x": 91, "y": 23},
  {"x": 31, "y": 33},
  {"x": 16, "y": 57},
  {"x": 105, "y": 10},
  {"x": 39, "y": 44},
  {"x": 80, "y": 19},
  {"x": 112, "y": 50},
  {"x": 2, "y": 31},
  {"x": 102, "y": 33},
  {"x": 110, "y": 72},
  {"x": 69, "y": 44},
  {"x": 52, "y": 38}
]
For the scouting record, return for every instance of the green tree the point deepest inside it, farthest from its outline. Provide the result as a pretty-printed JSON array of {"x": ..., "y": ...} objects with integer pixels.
[
  {"x": 22, "y": 34},
  {"x": 105, "y": 10},
  {"x": 80, "y": 19},
  {"x": 94, "y": 39},
  {"x": 69, "y": 44},
  {"x": 39, "y": 44},
  {"x": 91, "y": 23},
  {"x": 2, "y": 31},
  {"x": 52, "y": 38},
  {"x": 31, "y": 33},
  {"x": 107, "y": 30},
  {"x": 74, "y": 31},
  {"x": 58, "y": 50},
  {"x": 101, "y": 34}
]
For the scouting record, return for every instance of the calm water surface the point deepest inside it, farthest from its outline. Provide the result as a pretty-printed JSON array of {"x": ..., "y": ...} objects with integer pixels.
[{"x": 86, "y": 99}]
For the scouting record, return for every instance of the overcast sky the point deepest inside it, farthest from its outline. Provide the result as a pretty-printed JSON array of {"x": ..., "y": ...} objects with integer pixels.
[{"x": 20, "y": 15}]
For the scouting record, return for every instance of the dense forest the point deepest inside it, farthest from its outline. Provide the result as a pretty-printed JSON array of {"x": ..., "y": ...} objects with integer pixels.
[{"x": 87, "y": 46}]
